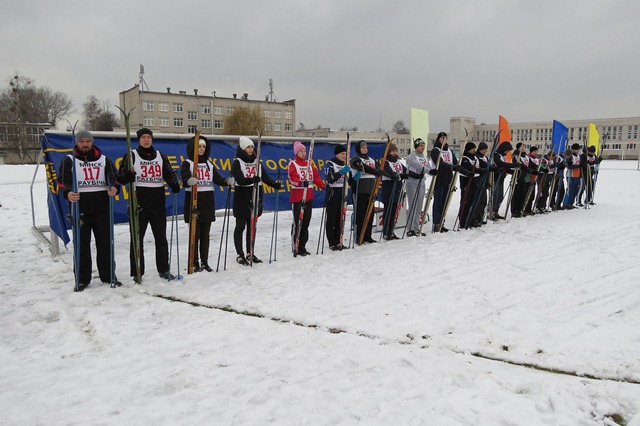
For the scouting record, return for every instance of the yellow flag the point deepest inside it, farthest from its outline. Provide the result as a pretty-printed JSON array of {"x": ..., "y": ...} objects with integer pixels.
[
  {"x": 594, "y": 137},
  {"x": 419, "y": 125}
]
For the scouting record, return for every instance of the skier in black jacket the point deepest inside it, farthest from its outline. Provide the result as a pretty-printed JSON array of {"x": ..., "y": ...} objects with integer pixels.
[
  {"x": 393, "y": 174},
  {"x": 96, "y": 179},
  {"x": 364, "y": 187},
  {"x": 336, "y": 171},
  {"x": 503, "y": 168},
  {"x": 448, "y": 164},
  {"x": 246, "y": 172},
  {"x": 151, "y": 169},
  {"x": 206, "y": 177}
]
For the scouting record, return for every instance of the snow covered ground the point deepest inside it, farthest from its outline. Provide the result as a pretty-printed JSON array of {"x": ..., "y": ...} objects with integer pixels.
[{"x": 441, "y": 330}]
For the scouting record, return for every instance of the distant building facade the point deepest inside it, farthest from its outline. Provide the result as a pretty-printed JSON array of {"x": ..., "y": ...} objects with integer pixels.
[
  {"x": 619, "y": 136},
  {"x": 20, "y": 142},
  {"x": 168, "y": 112}
]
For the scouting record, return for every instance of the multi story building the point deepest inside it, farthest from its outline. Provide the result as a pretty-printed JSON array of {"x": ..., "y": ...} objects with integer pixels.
[
  {"x": 619, "y": 136},
  {"x": 168, "y": 112}
]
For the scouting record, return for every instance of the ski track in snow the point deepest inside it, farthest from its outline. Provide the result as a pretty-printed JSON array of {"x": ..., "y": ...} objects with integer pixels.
[{"x": 558, "y": 291}]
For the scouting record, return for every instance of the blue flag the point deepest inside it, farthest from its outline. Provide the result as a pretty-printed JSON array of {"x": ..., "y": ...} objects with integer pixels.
[
  {"x": 559, "y": 136},
  {"x": 56, "y": 203}
]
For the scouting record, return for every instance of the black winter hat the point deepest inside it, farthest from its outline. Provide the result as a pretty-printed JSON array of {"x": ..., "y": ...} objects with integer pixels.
[
  {"x": 592, "y": 149},
  {"x": 518, "y": 145},
  {"x": 482, "y": 146},
  {"x": 144, "y": 131},
  {"x": 418, "y": 142},
  {"x": 339, "y": 148},
  {"x": 469, "y": 145},
  {"x": 575, "y": 146},
  {"x": 393, "y": 147},
  {"x": 533, "y": 149}
]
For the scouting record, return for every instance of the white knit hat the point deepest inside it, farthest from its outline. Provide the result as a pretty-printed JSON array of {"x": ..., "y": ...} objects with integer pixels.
[{"x": 245, "y": 142}]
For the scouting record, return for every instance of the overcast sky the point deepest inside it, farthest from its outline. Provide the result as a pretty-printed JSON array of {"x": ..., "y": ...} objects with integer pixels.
[{"x": 346, "y": 62}]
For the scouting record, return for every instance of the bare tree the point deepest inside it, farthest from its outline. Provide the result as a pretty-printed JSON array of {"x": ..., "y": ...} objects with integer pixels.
[
  {"x": 244, "y": 121},
  {"x": 301, "y": 126},
  {"x": 25, "y": 108},
  {"x": 97, "y": 116},
  {"x": 400, "y": 128}
]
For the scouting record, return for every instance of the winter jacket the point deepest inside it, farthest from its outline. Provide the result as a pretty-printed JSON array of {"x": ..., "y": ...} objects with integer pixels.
[
  {"x": 93, "y": 202},
  {"x": 298, "y": 170}
]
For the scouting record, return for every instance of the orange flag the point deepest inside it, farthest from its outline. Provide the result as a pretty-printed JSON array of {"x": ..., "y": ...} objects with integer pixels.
[{"x": 503, "y": 128}]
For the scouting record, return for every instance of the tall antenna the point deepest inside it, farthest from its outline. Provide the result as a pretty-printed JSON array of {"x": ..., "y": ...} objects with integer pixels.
[
  {"x": 143, "y": 84},
  {"x": 271, "y": 97}
]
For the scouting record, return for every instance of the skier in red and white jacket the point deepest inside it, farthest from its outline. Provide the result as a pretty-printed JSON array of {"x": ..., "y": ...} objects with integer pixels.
[{"x": 302, "y": 177}]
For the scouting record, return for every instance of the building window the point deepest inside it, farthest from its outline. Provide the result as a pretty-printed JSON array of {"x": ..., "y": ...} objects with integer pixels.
[
  {"x": 218, "y": 124},
  {"x": 631, "y": 146},
  {"x": 163, "y": 106},
  {"x": 164, "y": 121},
  {"x": 192, "y": 115},
  {"x": 288, "y": 127},
  {"x": 148, "y": 121},
  {"x": 178, "y": 107},
  {"x": 231, "y": 110},
  {"x": 288, "y": 115},
  {"x": 192, "y": 128},
  {"x": 277, "y": 127},
  {"x": 267, "y": 127},
  {"x": 177, "y": 122},
  {"x": 615, "y": 146},
  {"x": 206, "y": 124},
  {"x": 266, "y": 113},
  {"x": 205, "y": 109},
  {"x": 147, "y": 106},
  {"x": 277, "y": 114},
  {"x": 217, "y": 110}
]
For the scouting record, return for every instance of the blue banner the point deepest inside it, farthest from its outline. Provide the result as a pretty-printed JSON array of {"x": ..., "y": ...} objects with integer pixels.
[
  {"x": 275, "y": 158},
  {"x": 559, "y": 136}
]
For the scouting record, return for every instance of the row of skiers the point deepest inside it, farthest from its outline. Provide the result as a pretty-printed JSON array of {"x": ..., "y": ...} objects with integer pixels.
[{"x": 97, "y": 179}]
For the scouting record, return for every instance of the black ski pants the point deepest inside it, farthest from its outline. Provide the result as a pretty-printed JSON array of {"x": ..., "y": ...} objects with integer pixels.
[
  {"x": 304, "y": 229},
  {"x": 334, "y": 217},
  {"x": 158, "y": 221},
  {"x": 99, "y": 225},
  {"x": 362, "y": 201},
  {"x": 203, "y": 229}
]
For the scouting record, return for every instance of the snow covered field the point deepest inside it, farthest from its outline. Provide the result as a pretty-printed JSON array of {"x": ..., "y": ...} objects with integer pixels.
[{"x": 440, "y": 330}]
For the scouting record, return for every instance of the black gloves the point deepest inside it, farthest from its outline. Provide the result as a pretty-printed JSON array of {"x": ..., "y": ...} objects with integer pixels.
[
  {"x": 403, "y": 176},
  {"x": 433, "y": 172},
  {"x": 127, "y": 176},
  {"x": 304, "y": 183},
  {"x": 378, "y": 173},
  {"x": 277, "y": 185},
  {"x": 455, "y": 167},
  {"x": 175, "y": 188},
  {"x": 255, "y": 179}
]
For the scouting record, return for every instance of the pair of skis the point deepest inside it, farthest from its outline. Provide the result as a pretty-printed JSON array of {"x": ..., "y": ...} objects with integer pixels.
[
  {"x": 133, "y": 210},
  {"x": 193, "y": 216},
  {"x": 374, "y": 193},
  {"x": 255, "y": 200}
]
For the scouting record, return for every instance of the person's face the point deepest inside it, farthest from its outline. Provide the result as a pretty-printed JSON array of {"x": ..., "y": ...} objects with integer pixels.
[
  {"x": 249, "y": 150},
  {"x": 443, "y": 139},
  {"x": 202, "y": 147},
  {"x": 534, "y": 154},
  {"x": 483, "y": 152},
  {"x": 472, "y": 151},
  {"x": 393, "y": 153},
  {"x": 145, "y": 141},
  {"x": 364, "y": 149},
  {"x": 420, "y": 148},
  {"x": 342, "y": 156},
  {"x": 85, "y": 145},
  {"x": 302, "y": 153}
]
